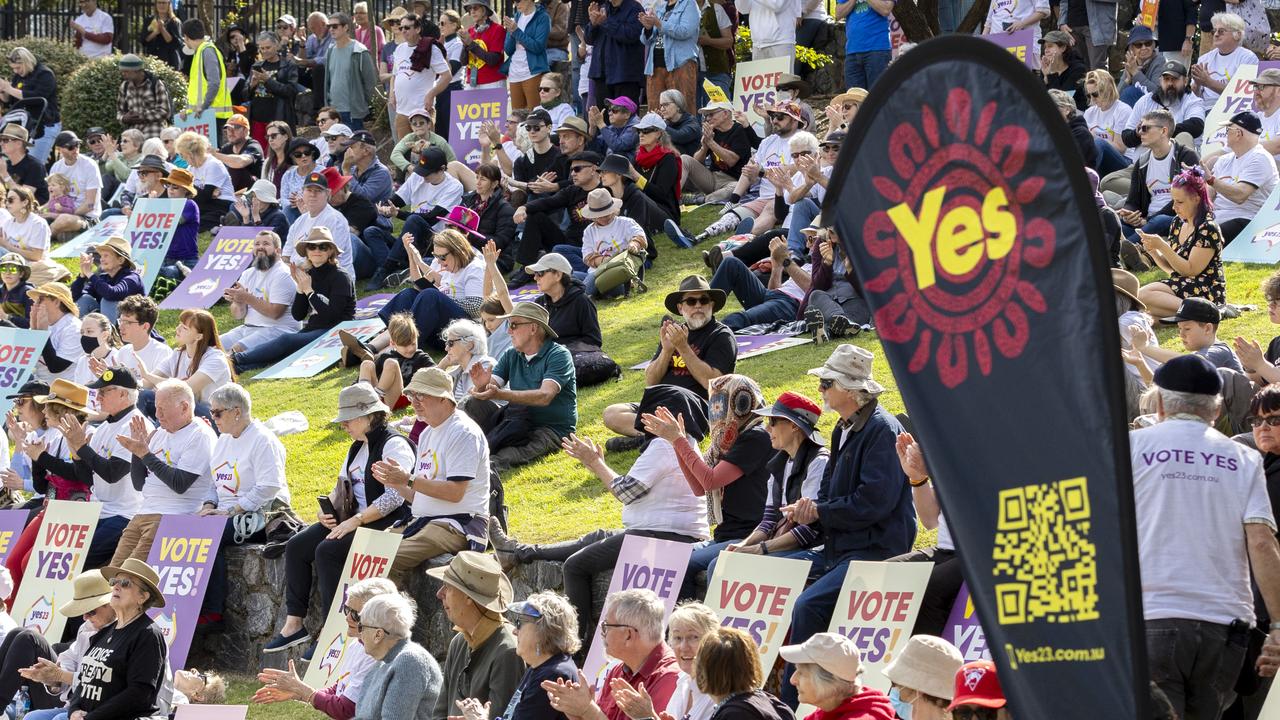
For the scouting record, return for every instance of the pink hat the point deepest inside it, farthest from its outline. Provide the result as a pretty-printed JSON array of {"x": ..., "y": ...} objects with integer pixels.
[{"x": 465, "y": 219}]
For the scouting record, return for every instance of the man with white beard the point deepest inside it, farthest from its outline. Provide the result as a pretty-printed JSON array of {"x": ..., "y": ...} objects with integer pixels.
[
  {"x": 261, "y": 298},
  {"x": 689, "y": 355}
]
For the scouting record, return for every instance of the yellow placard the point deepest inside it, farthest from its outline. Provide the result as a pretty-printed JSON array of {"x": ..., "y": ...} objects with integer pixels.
[
  {"x": 56, "y": 558},
  {"x": 370, "y": 556},
  {"x": 761, "y": 608}
]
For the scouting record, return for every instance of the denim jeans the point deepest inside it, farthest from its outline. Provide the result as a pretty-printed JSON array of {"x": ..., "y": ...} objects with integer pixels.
[
  {"x": 802, "y": 215},
  {"x": 760, "y": 305},
  {"x": 88, "y": 303},
  {"x": 43, "y": 145},
  {"x": 169, "y": 269},
  {"x": 1132, "y": 94},
  {"x": 432, "y": 311},
  {"x": 273, "y": 350},
  {"x": 353, "y": 123},
  {"x": 707, "y": 553},
  {"x": 572, "y": 253},
  {"x": 1158, "y": 225},
  {"x": 396, "y": 258},
  {"x": 555, "y": 55},
  {"x": 370, "y": 250},
  {"x": 862, "y": 69},
  {"x": 1109, "y": 159},
  {"x": 1196, "y": 664},
  {"x": 104, "y": 541}
]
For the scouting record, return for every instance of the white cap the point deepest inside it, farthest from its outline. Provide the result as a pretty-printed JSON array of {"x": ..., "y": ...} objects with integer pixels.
[{"x": 338, "y": 129}]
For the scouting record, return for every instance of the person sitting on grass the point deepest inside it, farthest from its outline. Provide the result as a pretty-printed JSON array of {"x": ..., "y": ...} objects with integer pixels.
[
  {"x": 53, "y": 309},
  {"x": 1263, "y": 367},
  {"x": 183, "y": 249},
  {"x": 116, "y": 279},
  {"x": 326, "y": 297},
  {"x": 689, "y": 355},
  {"x": 199, "y": 362},
  {"x": 15, "y": 303},
  {"x": 1198, "y": 321},
  {"x": 780, "y": 301},
  {"x": 536, "y": 378},
  {"x": 1192, "y": 253},
  {"x": 338, "y": 701},
  {"x": 608, "y": 235},
  {"x": 392, "y": 369},
  {"x": 214, "y": 188},
  {"x": 84, "y": 188},
  {"x": 142, "y": 348},
  {"x": 261, "y": 297},
  {"x": 656, "y": 502},
  {"x": 404, "y": 156}
]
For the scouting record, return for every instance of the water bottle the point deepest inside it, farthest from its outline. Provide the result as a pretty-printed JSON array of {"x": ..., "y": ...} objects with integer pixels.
[{"x": 22, "y": 703}]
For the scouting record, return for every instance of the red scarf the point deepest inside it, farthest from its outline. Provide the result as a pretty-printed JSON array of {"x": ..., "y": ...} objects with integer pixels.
[{"x": 647, "y": 160}]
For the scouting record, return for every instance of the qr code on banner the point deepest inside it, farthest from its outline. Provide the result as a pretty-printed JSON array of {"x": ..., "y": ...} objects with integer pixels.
[{"x": 1045, "y": 565}]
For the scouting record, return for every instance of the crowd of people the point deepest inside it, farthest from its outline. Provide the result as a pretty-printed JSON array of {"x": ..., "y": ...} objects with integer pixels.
[{"x": 609, "y": 139}]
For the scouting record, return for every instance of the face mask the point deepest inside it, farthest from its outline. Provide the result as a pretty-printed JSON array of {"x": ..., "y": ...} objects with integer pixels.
[
  {"x": 903, "y": 709},
  {"x": 88, "y": 343},
  {"x": 785, "y": 95}
]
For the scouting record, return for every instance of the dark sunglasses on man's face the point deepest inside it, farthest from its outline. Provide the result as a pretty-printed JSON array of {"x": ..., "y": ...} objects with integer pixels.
[
  {"x": 408, "y": 27},
  {"x": 696, "y": 300},
  {"x": 1143, "y": 44},
  {"x": 301, "y": 154},
  {"x": 777, "y": 116},
  {"x": 534, "y": 127}
]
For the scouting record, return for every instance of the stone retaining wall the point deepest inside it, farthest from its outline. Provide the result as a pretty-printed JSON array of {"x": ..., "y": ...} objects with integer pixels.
[{"x": 255, "y": 610}]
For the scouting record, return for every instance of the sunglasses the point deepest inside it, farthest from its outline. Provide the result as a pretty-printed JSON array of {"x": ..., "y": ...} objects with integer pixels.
[
  {"x": 696, "y": 300},
  {"x": 300, "y": 154},
  {"x": 618, "y": 109},
  {"x": 578, "y": 168},
  {"x": 125, "y": 583},
  {"x": 534, "y": 127},
  {"x": 802, "y": 153},
  {"x": 521, "y": 620},
  {"x": 547, "y": 89},
  {"x": 408, "y": 27},
  {"x": 354, "y": 615},
  {"x": 1144, "y": 128},
  {"x": 272, "y": 136},
  {"x": 825, "y": 384},
  {"x": 10, "y": 269},
  {"x": 1253, "y": 420},
  {"x": 1094, "y": 95},
  {"x": 217, "y": 414},
  {"x": 777, "y": 116},
  {"x": 517, "y": 326},
  {"x": 441, "y": 258},
  {"x": 1143, "y": 44},
  {"x": 827, "y": 148},
  {"x": 335, "y": 25}
]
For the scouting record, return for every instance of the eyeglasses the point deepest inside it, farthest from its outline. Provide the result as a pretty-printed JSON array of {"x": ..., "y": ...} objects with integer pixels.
[
  {"x": 534, "y": 127},
  {"x": 696, "y": 300},
  {"x": 829, "y": 148},
  {"x": 1094, "y": 95},
  {"x": 825, "y": 384},
  {"x": 516, "y": 326},
  {"x": 1220, "y": 31},
  {"x": 1143, "y": 44},
  {"x": 441, "y": 258},
  {"x": 408, "y": 27},
  {"x": 450, "y": 343},
  {"x": 271, "y": 136},
  {"x": 973, "y": 713},
  {"x": 354, "y": 615},
  {"x": 605, "y": 627},
  {"x": 577, "y": 168},
  {"x": 125, "y": 583},
  {"x": 524, "y": 620},
  {"x": 619, "y": 109},
  {"x": 777, "y": 116},
  {"x": 335, "y": 25},
  {"x": 10, "y": 269},
  {"x": 547, "y": 89},
  {"x": 802, "y": 153},
  {"x": 361, "y": 627},
  {"x": 300, "y": 154},
  {"x": 1255, "y": 421}
]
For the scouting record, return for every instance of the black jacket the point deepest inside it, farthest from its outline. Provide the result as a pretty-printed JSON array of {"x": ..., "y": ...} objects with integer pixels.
[
  {"x": 572, "y": 198},
  {"x": 333, "y": 299},
  {"x": 1139, "y": 195},
  {"x": 359, "y": 212},
  {"x": 496, "y": 221},
  {"x": 573, "y": 317},
  {"x": 1084, "y": 139},
  {"x": 755, "y": 705},
  {"x": 281, "y": 89}
]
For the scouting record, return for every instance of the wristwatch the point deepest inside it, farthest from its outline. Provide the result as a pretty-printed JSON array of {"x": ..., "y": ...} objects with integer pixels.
[{"x": 786, "y": 263}]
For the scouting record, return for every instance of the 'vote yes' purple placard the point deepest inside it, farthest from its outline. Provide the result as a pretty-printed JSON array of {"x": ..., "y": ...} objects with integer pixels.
[
  {"x": 183, "y": 555},
  {"x": 219, "y": 268}
]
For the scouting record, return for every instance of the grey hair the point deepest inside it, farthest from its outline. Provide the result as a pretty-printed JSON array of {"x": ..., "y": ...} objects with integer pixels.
[
  {"x": 803, "y": 140},
  {"x": 557, "y": 630},
  {"x": 154, "y": 146},
  {"x": 365, "y": 590},
  {"x": 23, "y": 56},
  {"x": 268, "y": 35},
  {"x": 831, "y": 686},
  {"x": 1175, "y": 402},
  {"x": 468, "y": 330},
  {"x": 675, "y": 97},
  {"x": 394, "y": 613},
  {"x": 641, "y": 609},
  {"x": 233, "y": 396},
  {"x": 172, "y": 133},
  {"x": 1229, "y": 21},
  {"x": 694, "y": 615},
  {"x": 317, "y": 14},
  {"x": 176, "y": 387},
  {"x": 135, "y": 135},
  {"x": 1062, "y": 100}
]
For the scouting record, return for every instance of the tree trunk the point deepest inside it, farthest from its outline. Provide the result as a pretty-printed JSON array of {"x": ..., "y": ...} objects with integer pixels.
[
  {"x": 919, "y": 22},
  {"x": 977, "y": 15}
]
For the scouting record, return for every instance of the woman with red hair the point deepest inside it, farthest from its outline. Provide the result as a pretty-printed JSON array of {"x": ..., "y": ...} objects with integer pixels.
[{"x": 1192, "y": 254}]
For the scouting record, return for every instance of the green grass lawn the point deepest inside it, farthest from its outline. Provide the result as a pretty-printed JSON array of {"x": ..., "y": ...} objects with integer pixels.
[{"x": 555, "y": 498}]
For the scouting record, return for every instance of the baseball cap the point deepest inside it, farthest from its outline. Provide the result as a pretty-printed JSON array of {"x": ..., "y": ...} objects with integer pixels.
[
  {"x": 1247, "y": 121},
  {"x": 1141, "y": 33},
  {"x": 315, "y": 179},
  {"x": 651, "y": 121},
  {"x": 363, "y": 136},
  {"x": 115, "y": 377},
  {"x": 1196, "y": 309},
  {"x": 623, "y": 102},
  {"x": 1173, "y": 67},
  {"x": 978, "y": 684},
  {"x": 338, "y": 130},
  {"x": 713, "y": 107},
  {"x": 432, "y": 160},
  {"x": 238, "y": 120},
  {"x": 551, "y": 261},
  {"x": 538, "y": 115},
  {"x": 587, "y": 156}
]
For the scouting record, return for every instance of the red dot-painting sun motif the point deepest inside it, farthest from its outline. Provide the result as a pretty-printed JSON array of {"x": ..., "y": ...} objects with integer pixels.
[{"x": 958, "y": 320}]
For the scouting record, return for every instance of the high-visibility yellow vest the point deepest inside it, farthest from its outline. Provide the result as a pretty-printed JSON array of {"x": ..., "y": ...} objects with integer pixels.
[{"x": 198, "y": 85}]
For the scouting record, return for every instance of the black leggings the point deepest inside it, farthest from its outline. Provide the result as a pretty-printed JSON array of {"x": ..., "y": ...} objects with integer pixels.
[
  {"x": 304, "y": 550},
  {"x": 941, "y": 591},
  {"x": 20, "y": 649}
]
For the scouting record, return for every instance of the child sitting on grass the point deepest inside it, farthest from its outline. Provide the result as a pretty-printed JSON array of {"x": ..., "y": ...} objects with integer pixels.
[
  {"x": 60, "y": 200},
  {"x": 394, "y": 367}
]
